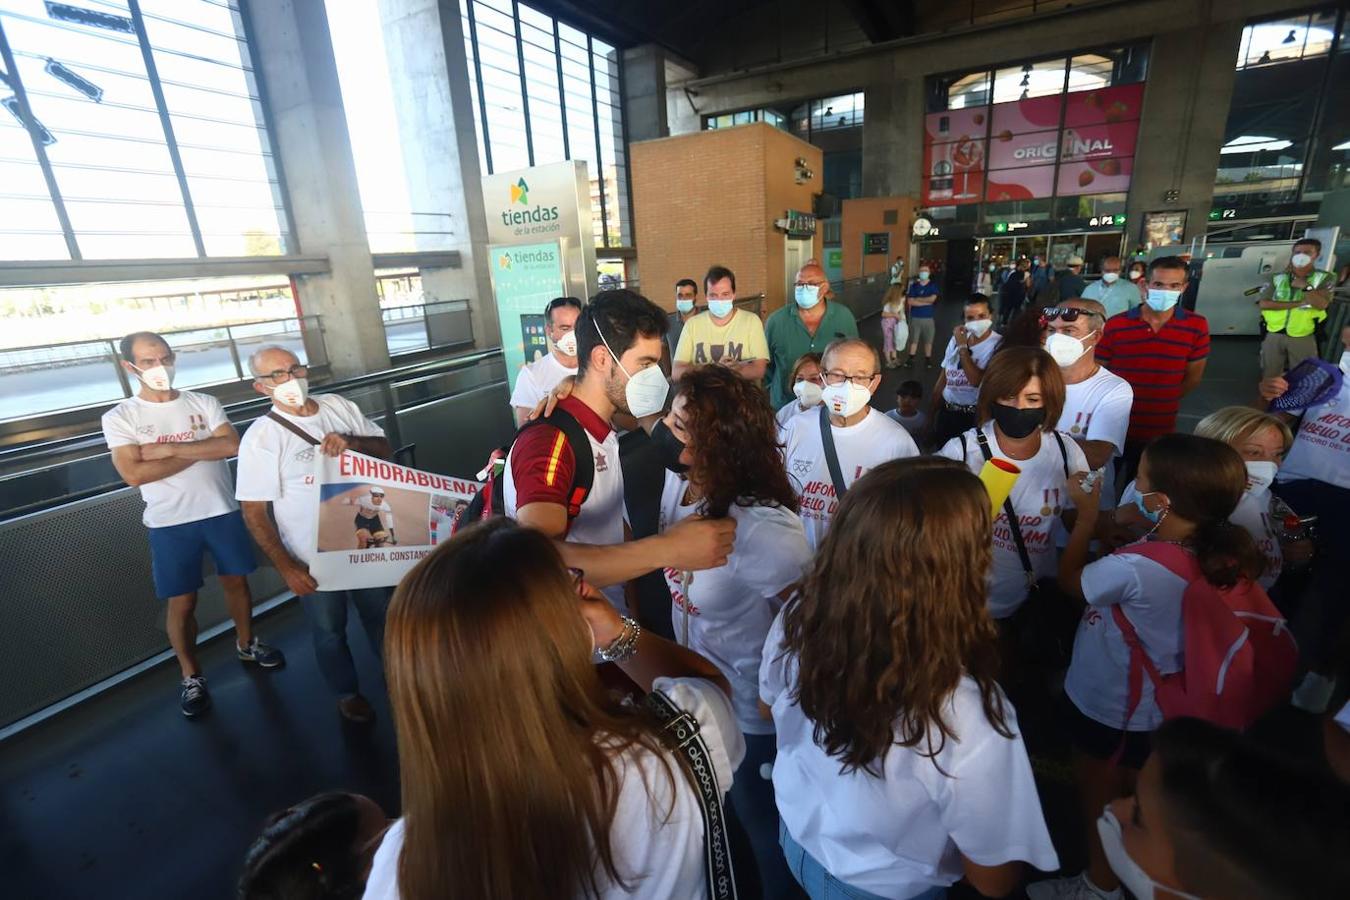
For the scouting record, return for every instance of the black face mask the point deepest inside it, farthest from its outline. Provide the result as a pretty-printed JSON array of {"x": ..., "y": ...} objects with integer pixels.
[
  {"x": 1017, "y": 423},
  {"x": 669, "y": 447}
]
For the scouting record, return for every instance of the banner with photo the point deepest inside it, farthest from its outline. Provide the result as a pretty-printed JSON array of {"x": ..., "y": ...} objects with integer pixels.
[{"x": 377, "y": 519}]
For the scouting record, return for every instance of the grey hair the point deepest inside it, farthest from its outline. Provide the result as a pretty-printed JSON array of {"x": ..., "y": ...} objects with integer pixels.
[{"x": 257, "y": 355}]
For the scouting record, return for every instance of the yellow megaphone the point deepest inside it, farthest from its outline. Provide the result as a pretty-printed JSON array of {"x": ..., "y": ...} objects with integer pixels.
[{"x": 998, "y": 476}]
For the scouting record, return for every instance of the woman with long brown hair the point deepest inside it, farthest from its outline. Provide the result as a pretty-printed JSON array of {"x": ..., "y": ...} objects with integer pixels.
[
  {"x": 522, "y": 777},
  {"x": 721, "y": 432},
  {"x": 899, "y": 768}
]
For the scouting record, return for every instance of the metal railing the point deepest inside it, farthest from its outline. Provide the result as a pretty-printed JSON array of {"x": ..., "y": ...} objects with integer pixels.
[
  {"x": 42, "y": 379},
  {"x": 434, "y": 325}
]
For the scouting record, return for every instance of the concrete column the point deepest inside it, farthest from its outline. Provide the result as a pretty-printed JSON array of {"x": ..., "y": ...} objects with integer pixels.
[
  {"x": 644, "y": 93},
  {"x": 1190, "y": 87},
  {"x": 424, "y": 49},
  {"x": 294, "y": 55},
  {"x": 892, "y": 156}
]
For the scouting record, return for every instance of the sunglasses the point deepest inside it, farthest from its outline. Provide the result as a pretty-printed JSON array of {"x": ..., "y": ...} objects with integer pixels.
[{"x": 1067, "y": 313}]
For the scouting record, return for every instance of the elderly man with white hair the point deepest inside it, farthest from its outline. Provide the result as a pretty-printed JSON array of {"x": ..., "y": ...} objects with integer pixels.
[{"x": 279, "y": 493}]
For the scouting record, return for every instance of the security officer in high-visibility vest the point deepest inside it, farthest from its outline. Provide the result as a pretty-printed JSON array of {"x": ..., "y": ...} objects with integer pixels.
[{"x": 1295, "y": 301}]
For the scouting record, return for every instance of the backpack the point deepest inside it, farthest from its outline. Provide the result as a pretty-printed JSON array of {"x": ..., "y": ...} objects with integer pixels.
[
  {"x": 1238, "y": 656},
  {"x": 490, "y": 499}
]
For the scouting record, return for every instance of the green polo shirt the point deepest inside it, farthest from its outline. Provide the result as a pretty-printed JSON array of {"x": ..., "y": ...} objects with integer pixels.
[{"x": 788, "y": 340}]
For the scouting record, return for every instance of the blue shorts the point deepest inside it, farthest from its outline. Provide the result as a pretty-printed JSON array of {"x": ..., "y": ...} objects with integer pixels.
[{"x": 176, "y": 552}]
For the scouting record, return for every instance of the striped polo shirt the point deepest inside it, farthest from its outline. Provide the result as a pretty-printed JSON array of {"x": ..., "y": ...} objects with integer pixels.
[{"x": 1154, "y": 363}]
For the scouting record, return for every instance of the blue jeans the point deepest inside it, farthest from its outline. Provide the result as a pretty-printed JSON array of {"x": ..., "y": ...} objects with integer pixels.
[
  {"x": 327, "y": 614},
  {"x": 752, "y": 799},
  {"x": 821, "y": 885}
]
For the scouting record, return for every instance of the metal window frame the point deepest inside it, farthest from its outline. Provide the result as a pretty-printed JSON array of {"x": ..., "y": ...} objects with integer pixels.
[
  {"x": 524, "y": 88},
  {"x": 562, "y": 93},
  {"x": 54, "y": 190},
  {"x": 595, "y": 128},
  {"x": 478, "y": 77}
]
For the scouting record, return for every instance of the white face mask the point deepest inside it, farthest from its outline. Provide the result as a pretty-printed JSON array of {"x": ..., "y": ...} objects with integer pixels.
[
  {"x": 721, "y": 308},
  {"x": 567, "y": 344},
  {"x": 292, "y": 393},
  {"x": 156, "y": 378},
  {"x": 1161, "y": 299},
  {"x": 646, "y": 391},
  {"x": 1134, "y": 878},
  {"x": 808, "y": 393},
  {"x": 1345, "y": 362},
  {"x": 1065, "y": 349},
  {"x": 1301, "y": 260},
  {"x": 845, "y": 399},
  {"x": 1260, "y": 476},
  {"x": 1136, "y": 275},
  {"x": 1110, "y": 277},
  {"x": 979, "y": 327}
]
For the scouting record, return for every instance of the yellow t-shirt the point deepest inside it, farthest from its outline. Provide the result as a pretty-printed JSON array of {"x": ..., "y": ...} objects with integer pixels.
[{"x": 739, "y": 340}]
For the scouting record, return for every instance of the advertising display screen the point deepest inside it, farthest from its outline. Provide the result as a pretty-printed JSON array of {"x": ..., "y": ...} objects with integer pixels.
[{"x": 1070, "y": 144}]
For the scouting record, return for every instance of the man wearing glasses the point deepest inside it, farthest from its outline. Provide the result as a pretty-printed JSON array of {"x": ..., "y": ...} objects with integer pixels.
[
  {"x": 861, "y": 437},
  {"x": 276, "y": 470},
  {"x": 535, "y": 380},
  {"x": 173, "y": 445}
]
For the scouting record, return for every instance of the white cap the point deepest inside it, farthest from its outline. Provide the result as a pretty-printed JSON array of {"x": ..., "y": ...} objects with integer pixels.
[{"x": 1075, "y": 260}]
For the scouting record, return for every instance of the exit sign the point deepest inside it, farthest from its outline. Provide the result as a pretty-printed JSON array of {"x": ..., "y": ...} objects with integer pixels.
[{"x": 1227, "y": 213}]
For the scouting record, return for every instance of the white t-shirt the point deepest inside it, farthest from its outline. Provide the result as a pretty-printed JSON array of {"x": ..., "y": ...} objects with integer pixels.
[
  {"x": 1098, "y": 409},
  {"x": 1253, "y": 515},
  {"x": 732, "y": 607},
  {"x": 904, "y": 832},
  {"x": 894, "y": 308},
  {"x": 200, "y": 491},
  {"x": 1321, "y": 448},
  {"x": 862, "y": 446},
  {"x": 913, "y": 424},
  {"x": 1098, "y": 679},
  {"x": 535, "y": 381},
  {"x": 790, "y": 410},
  {"x": 1039, "y": 496},
  {"x": 278, "y": 466},
  {"x": 958, "y": 389},
  {"x": 660, "y": 855}
]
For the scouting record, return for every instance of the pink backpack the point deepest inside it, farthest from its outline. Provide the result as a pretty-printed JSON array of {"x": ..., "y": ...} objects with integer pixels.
[{"x": 1238, "y": 657}]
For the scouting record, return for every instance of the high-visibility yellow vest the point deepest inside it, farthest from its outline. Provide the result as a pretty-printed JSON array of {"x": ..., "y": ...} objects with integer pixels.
[{"x": 1295, "y": 321}]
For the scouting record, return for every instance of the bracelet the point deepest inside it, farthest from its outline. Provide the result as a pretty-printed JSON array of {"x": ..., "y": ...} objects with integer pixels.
[{"x": 623, "y": 647}]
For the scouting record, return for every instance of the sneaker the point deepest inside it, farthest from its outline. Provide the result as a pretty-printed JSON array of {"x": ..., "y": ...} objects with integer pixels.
[
  {"x": 264, "y": 655},
  {"x": 195, "y": 700},
  {"x": 356, "y": 709},
  {"x": 1075, "y": 887},
  {"x": 1314, "y": 693}
]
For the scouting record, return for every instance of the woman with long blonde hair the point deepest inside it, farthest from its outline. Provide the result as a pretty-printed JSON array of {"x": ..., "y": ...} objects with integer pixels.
[
  {"x": 899, "y": 768},
  {"x": 522, "y": 777}
]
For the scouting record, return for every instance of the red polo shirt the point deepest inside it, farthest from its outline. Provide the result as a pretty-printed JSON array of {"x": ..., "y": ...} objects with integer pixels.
[{"x": 1154, "y": 363}]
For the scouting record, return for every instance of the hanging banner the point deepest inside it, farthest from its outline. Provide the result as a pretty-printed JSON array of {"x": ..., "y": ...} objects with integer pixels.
[{"x": 377, "y": 519}]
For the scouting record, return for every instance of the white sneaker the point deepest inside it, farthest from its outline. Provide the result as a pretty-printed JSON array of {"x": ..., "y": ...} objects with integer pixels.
[
  {"x": 1074, "y": 887},
  {"x": 1313, "y": 695}
]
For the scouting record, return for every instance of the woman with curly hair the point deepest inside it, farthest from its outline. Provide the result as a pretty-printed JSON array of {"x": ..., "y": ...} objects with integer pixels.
[
  {"x": 900, "y": 770},
  {"x": 724, "y": 436}
]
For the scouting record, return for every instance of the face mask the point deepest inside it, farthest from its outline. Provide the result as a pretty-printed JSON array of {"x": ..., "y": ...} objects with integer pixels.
[
  {"x": 292, "y": 393},
  {"x": 1345, "y": 362},
  {"x": 721, "y": 308},
  {"x": 845, "y": 399},
  {"x": 1110, "y": 277},
  {"x": 1161, "y": 300},
  {"x": 669, "y": 447},
  {"x": 567, "y": 344},
  {"x": 156, "y": 378},
  {"x": 684, "y": 306},
  {"x": 1017, "y": 423},
  {"x": 806, "y": 295},
  {"x": 646, "y": 391},
  {"x": 808, "y": 393},
  {"x": 979, "y": 327},
  {"x": 1260, "y": 475},
  {"x": 1300, "y": 260},
  {"x": 1134, "y": 878},
  {"x": 1136, "y": 275},
  {"x": 993, "y": 268},
  {"x": 923, "y": 276},
  {"x": 1153, "y": 515},
  {"x": 1065, "y": 349}
]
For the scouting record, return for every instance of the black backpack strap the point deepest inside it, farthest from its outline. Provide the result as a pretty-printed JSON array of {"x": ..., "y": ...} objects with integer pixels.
[
  {"x": 293, "y": 428},
  {"x": 1063, "y": 451},
  {"x": 583, "y": 475},
  {"x": 831, "y": 454},
  {"x": 1008, "y": 510},
  {"x": 681, "y": 734}
]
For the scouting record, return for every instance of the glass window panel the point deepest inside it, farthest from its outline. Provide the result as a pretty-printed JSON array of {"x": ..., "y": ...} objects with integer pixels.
[
  {"x": 1287, "y": 40},
  {"x": 170, "y": 37},
  {"x": 1037, "y": 79},
  {"x": 489, "y": 20},
  {"x": 203, "y": 161},
  {"x": 535, "y": 18},
  {"x": 1090, "y": 71},
  {"x": 970, "y": 90},
  {"x": 239, "y": 230},
  {"x": 571, "y": 35}
]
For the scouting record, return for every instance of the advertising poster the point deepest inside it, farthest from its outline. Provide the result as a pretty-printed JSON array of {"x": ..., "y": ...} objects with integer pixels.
[
  {"x": 377, "y": 519},
  {"x": 1163, "y": 229},
  {"x": 524, "y": 279}
]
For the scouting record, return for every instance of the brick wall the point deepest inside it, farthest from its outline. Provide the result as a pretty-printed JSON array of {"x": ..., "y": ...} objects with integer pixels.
[
  {"x": 867, "y": 214},
  {"x": 711, "y": 198}
]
